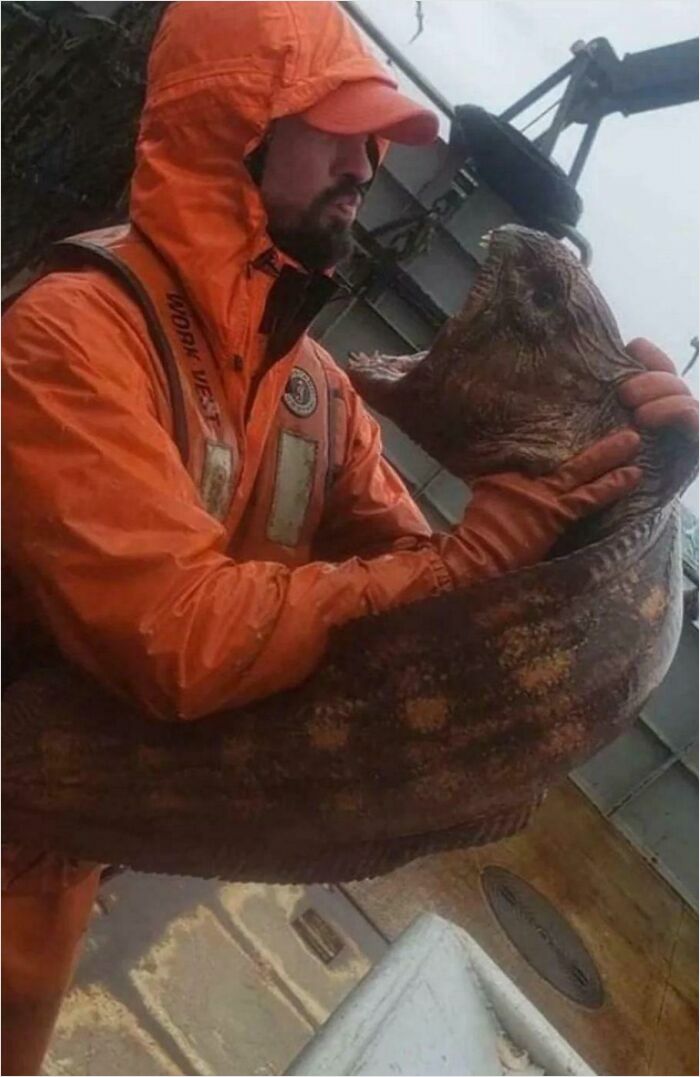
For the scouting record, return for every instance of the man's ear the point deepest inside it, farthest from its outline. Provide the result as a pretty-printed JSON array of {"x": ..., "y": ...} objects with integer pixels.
[
  {"x": 379, "y": 149},
  {"x": 373, "y": 154}
]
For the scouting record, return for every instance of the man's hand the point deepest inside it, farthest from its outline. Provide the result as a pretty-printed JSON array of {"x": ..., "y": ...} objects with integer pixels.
[
  {"x": 513, "y": 521},
  {"x": 659, "y": 397}
]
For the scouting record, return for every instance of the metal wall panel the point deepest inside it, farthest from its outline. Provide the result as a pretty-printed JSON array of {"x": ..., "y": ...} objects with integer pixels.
[
  {"x": 690, "y": 758},
  {"x": 415, "y": 170},
  {"x": 416, "y": 467},
  {"x": 386, "y": 200},
  {"x": 481, "y": 212},
  {"x": 672, "y": 711},
  {"x": 363, "y": 329},
  {"x": 610, "y": 776},
  {"x": 445, "y": 272},
  {"x": 647, "y": 780},
  {"x": 448, "y": 495},
  {"x": 662, "y": 819},
  {"x": 406, "y": 319}
]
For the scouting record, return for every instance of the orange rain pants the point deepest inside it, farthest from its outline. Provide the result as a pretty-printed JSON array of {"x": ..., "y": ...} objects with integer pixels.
[{"x": 41, "y": 935}]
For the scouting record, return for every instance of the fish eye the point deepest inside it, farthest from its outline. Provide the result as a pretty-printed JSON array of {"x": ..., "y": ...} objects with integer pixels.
[{"x": 543, "y": 298}]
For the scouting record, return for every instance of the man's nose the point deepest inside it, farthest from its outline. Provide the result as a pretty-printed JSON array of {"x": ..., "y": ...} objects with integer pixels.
[{"x": 354, "y": 160}]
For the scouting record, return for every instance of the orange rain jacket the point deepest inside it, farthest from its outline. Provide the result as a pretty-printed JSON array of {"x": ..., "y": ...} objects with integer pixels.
[{"x": 106, "y": 531}]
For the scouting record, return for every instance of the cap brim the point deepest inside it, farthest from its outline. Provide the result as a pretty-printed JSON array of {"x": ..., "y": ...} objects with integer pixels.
[{"x": 374, "y": 108}]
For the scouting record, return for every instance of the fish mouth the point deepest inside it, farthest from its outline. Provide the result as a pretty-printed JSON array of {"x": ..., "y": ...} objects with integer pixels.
[
  {"x": 501, "y": 244},
  {"x": 378, "y": 373},
  {"x": 377, "y": 377}
]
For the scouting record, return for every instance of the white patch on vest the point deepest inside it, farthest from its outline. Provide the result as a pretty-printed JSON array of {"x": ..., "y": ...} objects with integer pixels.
[
  {"x": 217, "y": 478},
  {"x": 300, "y": 396},
  {"x": 296, "y": 469}
]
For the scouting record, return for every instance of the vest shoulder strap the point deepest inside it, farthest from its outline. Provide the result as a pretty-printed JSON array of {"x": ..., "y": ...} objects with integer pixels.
[{"x": 78, "y": 251}]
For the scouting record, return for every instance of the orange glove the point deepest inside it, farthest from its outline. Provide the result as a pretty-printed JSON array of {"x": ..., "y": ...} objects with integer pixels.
[
  {"x": 513, "y": 521},
  {"x": 659, "y": 397}
]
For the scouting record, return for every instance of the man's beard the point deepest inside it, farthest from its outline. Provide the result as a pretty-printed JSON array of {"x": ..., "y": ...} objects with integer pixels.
[{"x": 315, "y": 243}]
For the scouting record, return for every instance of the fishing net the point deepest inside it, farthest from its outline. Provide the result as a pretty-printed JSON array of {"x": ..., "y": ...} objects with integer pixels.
[{"x": 73, "y": 86}]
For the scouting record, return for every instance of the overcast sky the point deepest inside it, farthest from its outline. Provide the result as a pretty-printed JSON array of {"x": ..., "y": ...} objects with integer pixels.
[{"x": 641, "y": 183}]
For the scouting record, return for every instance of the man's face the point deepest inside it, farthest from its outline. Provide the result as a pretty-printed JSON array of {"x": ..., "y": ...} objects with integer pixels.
[{"x": 312, "y": 186}]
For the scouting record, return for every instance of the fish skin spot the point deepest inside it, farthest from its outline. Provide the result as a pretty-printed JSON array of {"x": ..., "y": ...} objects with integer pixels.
[
  {"x": 654, "y": 605},
  {"x": 328, "y": 733},
  {"x": 565, "y": 739},
  {"x": 519, "y": 643},
  {"x": 426, "y": 714},
  {"x": 555, "y": 707},
  {"x": 545, "y": 673}
]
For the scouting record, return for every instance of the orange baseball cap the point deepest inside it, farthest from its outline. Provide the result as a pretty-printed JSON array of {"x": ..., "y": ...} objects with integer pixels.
[{"x": 373, "y": 107}]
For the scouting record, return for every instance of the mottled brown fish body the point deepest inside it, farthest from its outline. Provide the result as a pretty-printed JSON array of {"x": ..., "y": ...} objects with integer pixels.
[{"x": 469, "y": 704}]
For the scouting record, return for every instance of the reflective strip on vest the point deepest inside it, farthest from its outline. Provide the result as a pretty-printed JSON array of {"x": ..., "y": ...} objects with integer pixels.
[
  {"x": 217, "y": 478},
  {"x": 294, "y": 482}
]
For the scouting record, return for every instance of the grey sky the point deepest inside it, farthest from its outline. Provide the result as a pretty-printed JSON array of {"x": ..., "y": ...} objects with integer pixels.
[{"x": 641, "y": 184}]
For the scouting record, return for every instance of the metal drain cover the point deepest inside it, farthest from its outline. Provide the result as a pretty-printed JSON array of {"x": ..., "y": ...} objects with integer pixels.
[{"x": 543, "y": 937}]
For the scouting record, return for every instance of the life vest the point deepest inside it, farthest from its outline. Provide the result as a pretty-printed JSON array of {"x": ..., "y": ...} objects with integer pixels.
[{"x": 280, "y": 515}]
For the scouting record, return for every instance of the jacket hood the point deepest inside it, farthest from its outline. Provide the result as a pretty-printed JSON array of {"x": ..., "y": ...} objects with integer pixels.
[{"x": 218, "y": 75}]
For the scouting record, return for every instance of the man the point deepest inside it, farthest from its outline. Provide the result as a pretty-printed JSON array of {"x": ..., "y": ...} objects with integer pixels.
[{"x": 189, "y": 529}]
